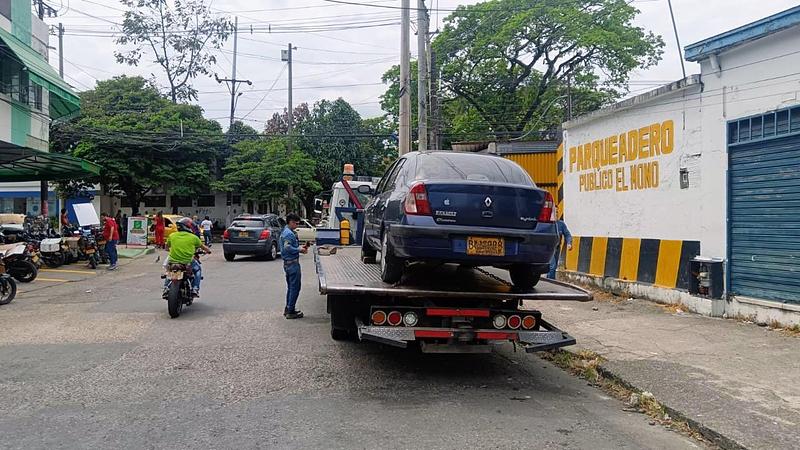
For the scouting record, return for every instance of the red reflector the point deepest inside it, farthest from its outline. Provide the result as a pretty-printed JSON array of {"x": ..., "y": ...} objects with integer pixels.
[
  {"x": 433, "y": 334},
  {"x": 528, "y": 322},
  {"x": 514, "y": 322},
  {"x": 497, "y": 335},
  {"x": 457, "y": 312},
  {"x": 226, "y": 234},
  {"x": 394, "y": 318}
]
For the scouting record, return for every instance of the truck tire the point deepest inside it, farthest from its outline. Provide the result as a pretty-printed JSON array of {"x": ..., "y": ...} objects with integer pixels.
[
  {"x": 524, "y": 276},
  {"x": 368, "y": 254},
  {"x": 391, "y": 266}
]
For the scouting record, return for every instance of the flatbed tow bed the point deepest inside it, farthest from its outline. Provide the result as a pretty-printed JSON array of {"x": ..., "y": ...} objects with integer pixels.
[{"x": 446, "y": 308}]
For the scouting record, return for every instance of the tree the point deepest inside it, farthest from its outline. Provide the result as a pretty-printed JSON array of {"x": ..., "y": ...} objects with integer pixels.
[
  {"x": 141, "y": 140},
  {"x": 240, "y": 131},
  {"x": 262, "y": 171},
  {"x": 509, "y": 60},
  {"x": 334, "y": 135},
  {"x": 178, "y": 34},
  {"x": 279, "y": 122}
]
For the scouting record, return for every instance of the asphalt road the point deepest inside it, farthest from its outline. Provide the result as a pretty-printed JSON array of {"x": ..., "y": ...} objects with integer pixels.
[{"x": 99, "y": 364}]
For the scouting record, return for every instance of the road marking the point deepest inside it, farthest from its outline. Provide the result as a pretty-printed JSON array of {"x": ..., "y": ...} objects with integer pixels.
[
  {"x": 92, "y": 272},
  {"x": 54, "y": 280}
]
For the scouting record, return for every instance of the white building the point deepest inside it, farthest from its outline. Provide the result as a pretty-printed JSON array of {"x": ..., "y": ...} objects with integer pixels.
[{"x": 708, "y": 165}]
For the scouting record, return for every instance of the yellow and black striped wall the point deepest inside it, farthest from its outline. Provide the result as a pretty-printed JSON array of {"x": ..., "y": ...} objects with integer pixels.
[{"x": 659, "y": 262}]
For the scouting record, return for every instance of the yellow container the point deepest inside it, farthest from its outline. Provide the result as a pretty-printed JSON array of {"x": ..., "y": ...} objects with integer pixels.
[{"x": 344, "y": 232}]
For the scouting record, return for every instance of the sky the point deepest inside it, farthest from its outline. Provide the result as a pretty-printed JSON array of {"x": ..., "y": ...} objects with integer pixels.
[{"x": 345, "y": 63}]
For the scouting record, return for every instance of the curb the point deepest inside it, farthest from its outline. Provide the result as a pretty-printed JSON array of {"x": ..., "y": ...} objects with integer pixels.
[{"x": 712, "y": 435}]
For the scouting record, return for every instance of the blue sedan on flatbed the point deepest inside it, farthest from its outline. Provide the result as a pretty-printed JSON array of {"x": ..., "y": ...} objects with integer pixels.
[{"x": 465, "y": 208}]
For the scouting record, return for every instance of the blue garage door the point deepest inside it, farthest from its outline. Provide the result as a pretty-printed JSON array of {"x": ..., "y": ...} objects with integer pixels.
[{"x": 764, "y": 206}]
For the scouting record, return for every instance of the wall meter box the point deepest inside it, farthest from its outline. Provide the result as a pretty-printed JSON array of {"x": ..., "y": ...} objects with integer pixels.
[{"x": 705, "y": 278}]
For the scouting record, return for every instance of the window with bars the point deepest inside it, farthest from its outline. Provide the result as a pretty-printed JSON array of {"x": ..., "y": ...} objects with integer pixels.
[{"x": 765, "y": 126}]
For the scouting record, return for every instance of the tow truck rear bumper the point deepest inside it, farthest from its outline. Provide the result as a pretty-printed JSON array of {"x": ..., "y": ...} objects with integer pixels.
[{"x": 465, "y": 340}]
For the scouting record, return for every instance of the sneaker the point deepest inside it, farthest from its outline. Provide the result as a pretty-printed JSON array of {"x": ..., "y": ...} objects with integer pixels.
[
  {"x": 294, "y": 315},
  {"x": 112, "y": 267},
  {"x": 195, "y": 292}
]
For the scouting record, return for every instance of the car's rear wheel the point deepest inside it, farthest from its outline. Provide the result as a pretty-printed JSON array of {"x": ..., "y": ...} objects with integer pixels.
[
  {"x": 273, "y": 252},
  {"x": 229, "y": 256},
  {"x": 524, "y": 276},
  {"x": 368, "y": 254},
  {"x": 391, "y": 266}
]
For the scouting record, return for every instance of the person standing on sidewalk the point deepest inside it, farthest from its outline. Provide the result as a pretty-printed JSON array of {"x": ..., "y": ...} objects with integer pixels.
[
  {"x": 566, "y": 236},
  {"x": 290, "y": 253},
  {"x": 111, "y": 235},
  {"x": 159, "y": 228},
  {"x": 206, "y": 226}
]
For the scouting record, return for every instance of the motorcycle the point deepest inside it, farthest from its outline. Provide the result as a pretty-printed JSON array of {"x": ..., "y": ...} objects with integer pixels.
[
  {"x": 53, "y": 252},
  {"x": 8, "y": 287},
  {"x": 178, "y": 291},
  {"x": 88, "y": 248},
  {"x": 18, "y": 262}
]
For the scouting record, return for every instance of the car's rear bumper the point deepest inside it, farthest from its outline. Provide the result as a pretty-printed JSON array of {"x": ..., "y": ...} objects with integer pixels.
[
  {"x": 247, "y": 248},
  {"x": 449, "y": 244}
]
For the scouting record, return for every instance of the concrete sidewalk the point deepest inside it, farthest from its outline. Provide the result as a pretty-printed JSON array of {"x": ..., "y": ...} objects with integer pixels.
[{"x": 740, "y": 383}]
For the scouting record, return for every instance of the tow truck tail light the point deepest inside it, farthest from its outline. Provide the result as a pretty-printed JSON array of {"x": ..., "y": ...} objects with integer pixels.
[
  {"x": 226, "y": 234},
  {"x": 528, "y": 322},
  {"x": 514, "y": 322},
  {"x": 264, "y": 234},
  {"x": 394, "y": 318},
  {"x": 416, "y": 202},
  {"x": 499, "y": 321},
  {"x": 548, "y": 212},
  {"x": 378, "y": 317},
  {"x": 410, "y": 319}
]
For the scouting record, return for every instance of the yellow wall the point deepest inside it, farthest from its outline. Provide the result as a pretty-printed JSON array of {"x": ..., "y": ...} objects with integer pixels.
[{"x": 541, "y": 167}]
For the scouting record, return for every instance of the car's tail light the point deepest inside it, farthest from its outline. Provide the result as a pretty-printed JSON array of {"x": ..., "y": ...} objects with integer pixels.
[
  {"x": 417, "y": 201},
  {"x": 548, "y": 212},
  {"x": 394, "y": 318},
  {"x": 378, "y": 317},
  {"x": 514, "y": 322},
  {"x": 528, "y": 322},
  {"x": 264, "y": 234},
  {"x": 226, "y": 234},
  {"x": 499, "y": 321}
]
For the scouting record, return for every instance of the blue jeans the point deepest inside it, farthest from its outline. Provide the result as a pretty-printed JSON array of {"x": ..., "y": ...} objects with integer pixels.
[
  {"x": 207, "y": 236},
  {"x": 554, "y": 264},
  {"x": 111, "y": 249},
  {"x": 292, "y": 269}
]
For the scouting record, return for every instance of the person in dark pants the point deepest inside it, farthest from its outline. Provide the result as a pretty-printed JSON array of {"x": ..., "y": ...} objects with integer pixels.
[
  {"x": 290, "y": 253},
  {"x": 111, "y": 235},
  {"x": 566, "y": 236}
]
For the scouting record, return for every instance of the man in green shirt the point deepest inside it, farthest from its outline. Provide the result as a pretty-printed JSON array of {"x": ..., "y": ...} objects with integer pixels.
[{"x": 181, "y": 246}]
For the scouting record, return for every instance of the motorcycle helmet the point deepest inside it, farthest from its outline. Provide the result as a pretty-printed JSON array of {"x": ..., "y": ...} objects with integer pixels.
[{"x": 185, "y": 224}]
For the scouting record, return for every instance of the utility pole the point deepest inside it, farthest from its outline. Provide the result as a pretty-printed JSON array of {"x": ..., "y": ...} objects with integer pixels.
[
  {"x": 61, "y": 49},
  {"x": 677, "y": 39},
  {"x": 286, "y": 55},
  {"x": 44, "y": 187},
  {"x": 405, "y": 92},
  {"x": 232, "y": 84},
  {"x": 435, "y": 128},
  {"x": 422, "y": 74}
]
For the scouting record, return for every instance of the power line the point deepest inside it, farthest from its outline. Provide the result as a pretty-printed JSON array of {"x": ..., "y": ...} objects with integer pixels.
[{"x": 283, "y": 69}]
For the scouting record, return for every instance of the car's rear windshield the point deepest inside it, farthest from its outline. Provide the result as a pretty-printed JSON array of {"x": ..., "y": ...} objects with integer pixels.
[
  {"x": 460, "y": 166},
  {"x": 249, "y": 223}
]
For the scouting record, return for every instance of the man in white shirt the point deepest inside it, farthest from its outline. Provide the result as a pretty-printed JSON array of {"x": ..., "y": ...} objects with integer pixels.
[{"x": 206, "y": 225}]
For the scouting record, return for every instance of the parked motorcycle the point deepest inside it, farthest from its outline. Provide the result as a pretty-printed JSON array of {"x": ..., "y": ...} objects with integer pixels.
[
  {"x": 88, "y": 248},
  {"x": 178, "y": 291},
  {"x": 8, "y": 287},
  {"x": 18, "y": 262},
  {"x": 53, "y": 252}
]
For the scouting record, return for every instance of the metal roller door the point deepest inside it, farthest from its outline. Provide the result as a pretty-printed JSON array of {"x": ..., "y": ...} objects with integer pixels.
[{"x": 764, "y": 206}]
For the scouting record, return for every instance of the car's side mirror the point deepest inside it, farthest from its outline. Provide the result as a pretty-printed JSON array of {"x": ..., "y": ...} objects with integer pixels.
[{"x": 364, "y": 189}]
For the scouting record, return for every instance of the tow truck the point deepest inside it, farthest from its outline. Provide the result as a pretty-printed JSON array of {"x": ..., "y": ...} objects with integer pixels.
[{"x": 443, "y": 308}]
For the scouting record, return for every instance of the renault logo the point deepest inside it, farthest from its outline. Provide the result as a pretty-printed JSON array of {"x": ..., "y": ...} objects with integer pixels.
[{"x": 488, "y": 202}]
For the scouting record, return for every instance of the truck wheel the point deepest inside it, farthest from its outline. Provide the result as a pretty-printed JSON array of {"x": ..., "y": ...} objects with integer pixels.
[
  {"x": 368, "y": 253},
  {"x": 524, "y": 276},
  {"x": 229, "y": 256},
  {"x": 391, "y": 266}
]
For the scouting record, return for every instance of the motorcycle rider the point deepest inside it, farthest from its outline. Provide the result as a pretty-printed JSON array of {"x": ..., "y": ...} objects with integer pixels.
[{"x": 182, "y": 246}]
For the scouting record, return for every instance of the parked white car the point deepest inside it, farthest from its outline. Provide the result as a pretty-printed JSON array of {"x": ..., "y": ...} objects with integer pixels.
[{"x": 306, "y": 231}]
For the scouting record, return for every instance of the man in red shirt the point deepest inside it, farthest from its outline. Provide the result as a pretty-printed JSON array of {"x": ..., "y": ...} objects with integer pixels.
[{"x": 111, "y": 235}]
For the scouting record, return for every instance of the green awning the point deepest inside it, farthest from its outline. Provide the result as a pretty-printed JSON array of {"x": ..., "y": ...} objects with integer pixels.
[
  {"x": 32, "y": 165},
  {"x": 63, "y": 101}
]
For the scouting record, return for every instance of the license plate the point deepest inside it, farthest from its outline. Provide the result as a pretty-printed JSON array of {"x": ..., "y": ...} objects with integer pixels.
[
  {"x": 176, "y": 275},
  {"x": 485, "y": 246},
  {"x": 243, "y": 234}
]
